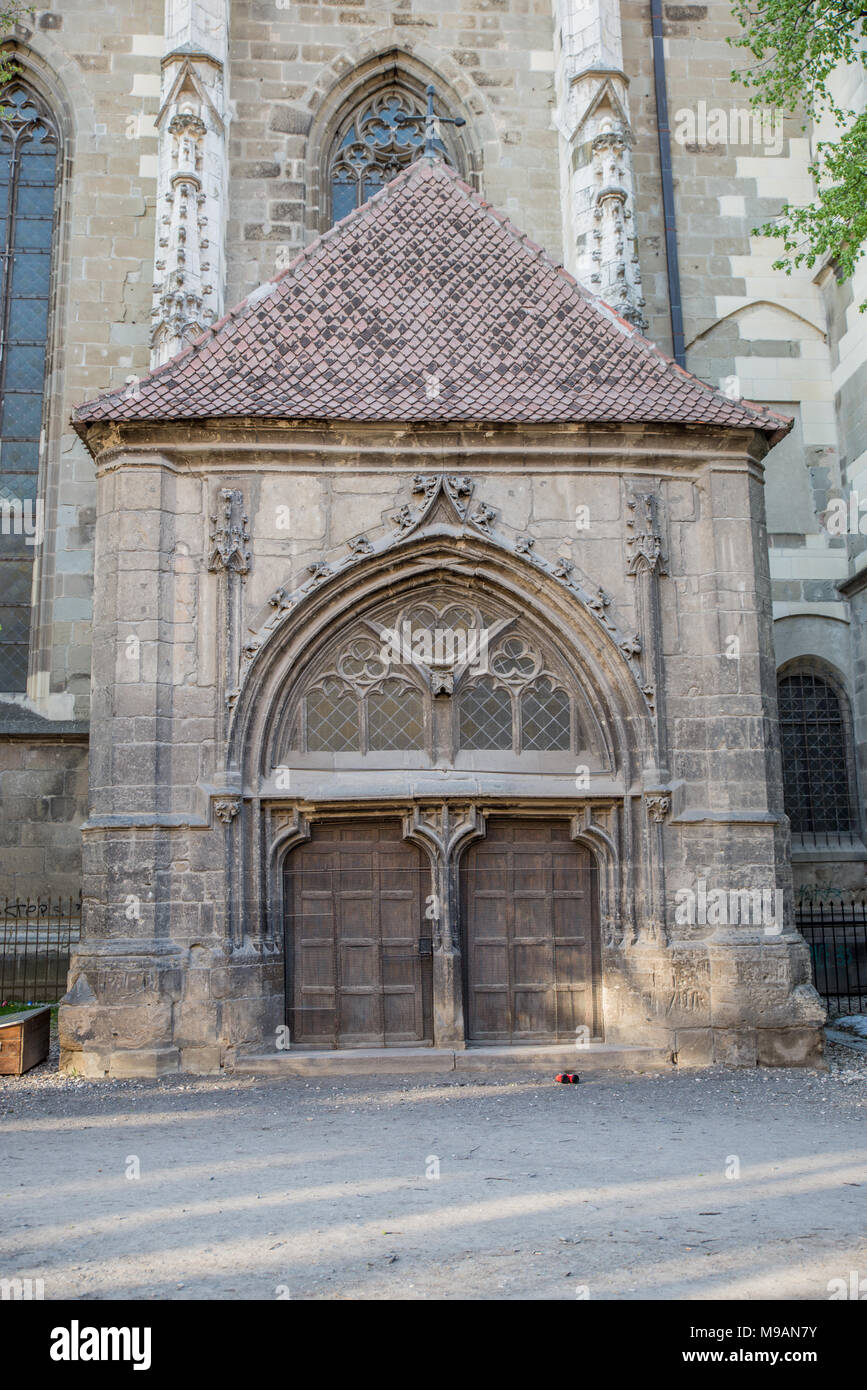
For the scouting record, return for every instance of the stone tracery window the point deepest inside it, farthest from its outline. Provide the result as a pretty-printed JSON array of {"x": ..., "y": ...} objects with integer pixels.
[
  {"x": 29, "y": 145},
  {"x": 546, "y": 717},
  {"x": 372, "y": 147},
  {"x": 485, "y": 715},
  {"x": 379, "y": 689},
  {"x": 361, "y": 707}
]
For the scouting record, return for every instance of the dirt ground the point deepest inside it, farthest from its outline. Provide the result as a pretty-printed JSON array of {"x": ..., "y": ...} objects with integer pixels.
[{"x": 734, "y": 1184}]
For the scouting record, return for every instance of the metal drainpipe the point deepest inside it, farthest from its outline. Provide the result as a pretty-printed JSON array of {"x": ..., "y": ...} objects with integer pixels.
[{"x": 667, "y": 184}]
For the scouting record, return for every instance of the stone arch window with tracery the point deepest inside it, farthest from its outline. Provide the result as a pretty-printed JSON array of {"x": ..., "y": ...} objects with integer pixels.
[
  {"x": 29, "y": 150},
  {"x": 361, "y": 706},
  {"x": 373, "y": 144},
  {"x": 818, "y": 769},
  {"x": 516, "y": 705},
  {"x": 446, "y": 681}
]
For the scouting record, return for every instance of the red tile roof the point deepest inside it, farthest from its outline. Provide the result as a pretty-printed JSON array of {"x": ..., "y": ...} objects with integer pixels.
[{"x": 426, "y": 304}]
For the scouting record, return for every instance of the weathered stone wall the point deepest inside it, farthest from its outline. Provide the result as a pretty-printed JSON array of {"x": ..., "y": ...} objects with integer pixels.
[
  {"x": 294, "y": 71},
  {"x": 43, "y": 801},
  {"x": 97, "y": 67},
  {"x": 794, "y": 342}
]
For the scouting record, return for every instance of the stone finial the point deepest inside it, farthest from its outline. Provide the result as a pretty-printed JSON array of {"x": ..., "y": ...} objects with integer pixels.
[
  {"x": 644, "y": 543},
  {"x": 230, "y": 535},
  {"x": 593, "y": 118},
  {"x": 192, "y": 176}
]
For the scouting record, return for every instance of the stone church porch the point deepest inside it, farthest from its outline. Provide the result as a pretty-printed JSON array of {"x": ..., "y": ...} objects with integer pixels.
[{"x": 299, "y": 836}]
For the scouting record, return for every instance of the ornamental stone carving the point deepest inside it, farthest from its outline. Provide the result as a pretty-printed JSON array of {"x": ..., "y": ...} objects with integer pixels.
[
  {"x": 192, "y": 176},
  {"x": 592, "y": 115},
  {"x": 644, "y": 543},
  {"x": 230, "y": 535}
]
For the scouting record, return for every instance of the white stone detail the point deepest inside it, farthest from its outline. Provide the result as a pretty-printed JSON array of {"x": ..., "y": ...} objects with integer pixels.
[
  {"x": 192, "y": 191},
  {"x": 597, "y": 179}
]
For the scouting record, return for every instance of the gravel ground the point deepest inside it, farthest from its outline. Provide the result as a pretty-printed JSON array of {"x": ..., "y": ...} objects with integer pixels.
[{"x": 437, "y": 1187}]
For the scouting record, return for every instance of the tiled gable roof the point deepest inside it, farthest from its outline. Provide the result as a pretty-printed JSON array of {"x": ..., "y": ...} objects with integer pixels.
[{"x": 426, "y": 304}]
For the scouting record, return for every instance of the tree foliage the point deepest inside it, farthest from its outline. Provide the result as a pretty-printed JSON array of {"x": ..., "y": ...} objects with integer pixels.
[
  {"x": 797, "y": 45},
  {"x": 11, "y": 14}
]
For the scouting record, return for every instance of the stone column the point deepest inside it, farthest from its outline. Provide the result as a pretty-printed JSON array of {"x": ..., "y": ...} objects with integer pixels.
[
  {"x": 143, "y": 979},
  {"x": 192, "y": 186},
  {"x": 444, "y": 829},
  {"x": 597, "y": 185}
]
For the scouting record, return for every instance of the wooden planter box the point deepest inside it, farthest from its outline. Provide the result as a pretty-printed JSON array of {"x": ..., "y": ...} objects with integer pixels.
[{"x": 23, "y": 1040}]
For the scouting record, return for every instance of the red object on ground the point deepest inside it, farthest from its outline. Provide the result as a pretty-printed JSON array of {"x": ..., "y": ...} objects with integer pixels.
[{"x": 568, "y": 1076}]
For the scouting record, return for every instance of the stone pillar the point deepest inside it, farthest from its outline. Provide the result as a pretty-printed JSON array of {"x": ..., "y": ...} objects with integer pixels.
[
  {"x": 597, "y": 185},
  {"x": 143, "y": 980},
  {"x": 444, "y": 829},
  {"x": 192, "y": 186}
]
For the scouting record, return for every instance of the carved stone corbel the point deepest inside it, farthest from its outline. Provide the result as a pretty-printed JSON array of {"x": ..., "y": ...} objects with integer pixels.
[
  {"x": 227, "y": 808},
  {"x": 658, "y": 807}
]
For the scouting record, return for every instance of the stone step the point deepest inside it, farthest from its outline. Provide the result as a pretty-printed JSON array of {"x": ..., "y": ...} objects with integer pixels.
[{"x": 409, "y": 1061}]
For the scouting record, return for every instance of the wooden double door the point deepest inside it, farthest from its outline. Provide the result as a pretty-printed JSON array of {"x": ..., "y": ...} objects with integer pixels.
[{"x": 359, "y": 944}]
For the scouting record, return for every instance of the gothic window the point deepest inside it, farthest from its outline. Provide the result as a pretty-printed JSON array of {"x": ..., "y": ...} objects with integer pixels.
[
  {"x": 374, "y": 144},
  {"x": 28, "y": 174},
  {"x": 486, "y": 715},
  {"x": 333, "y": 719},
  {"x": 546, "y": 718},
  {"x": 395, "y": 717},
  {"x": 439, "y": 677},
  {"x": 816, "y": 769},
  {"x": 360, "y": 707}
]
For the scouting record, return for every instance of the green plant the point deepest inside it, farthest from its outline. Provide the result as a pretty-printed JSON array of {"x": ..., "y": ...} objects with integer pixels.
[
  {"x": 798, "y": 45},
  {"x": 10, "y": 15}
]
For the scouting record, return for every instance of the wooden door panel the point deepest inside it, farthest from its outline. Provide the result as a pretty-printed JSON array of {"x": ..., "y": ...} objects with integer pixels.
[
  {"x": 529, "y": 904},
  {"x": 354, "y": 897},
  {"x": 533, "y": 1013},
  {"x": 532, "y": 917}
]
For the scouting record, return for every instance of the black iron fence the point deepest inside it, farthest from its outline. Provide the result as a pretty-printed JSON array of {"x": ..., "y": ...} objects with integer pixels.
[
  {"x": 36, "y": 936},
  {"x": 836, "y": 933}
]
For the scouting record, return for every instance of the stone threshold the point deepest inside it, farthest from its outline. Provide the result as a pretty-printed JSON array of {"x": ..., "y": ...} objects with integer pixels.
[{"x": 552, "y": 1057}]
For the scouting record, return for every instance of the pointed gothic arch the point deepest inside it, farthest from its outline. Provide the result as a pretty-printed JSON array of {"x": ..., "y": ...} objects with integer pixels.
[
  {"x": 35, "y": 146},
  {"x": 346, "y": 91},
  {"x": 471, "y": 566}
]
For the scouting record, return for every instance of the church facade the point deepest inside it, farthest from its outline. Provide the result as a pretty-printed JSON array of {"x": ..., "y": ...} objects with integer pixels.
[{"x": 415, "y": 654}]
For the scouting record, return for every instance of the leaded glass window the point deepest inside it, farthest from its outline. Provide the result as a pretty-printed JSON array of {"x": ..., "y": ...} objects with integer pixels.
[
  {"x": 372, "y": 146},
  {"x": 395, "y": 717},
  {"x": 816, "y": 776},
  {"x": 486, "y": 716},
  {"x": 28, "y": 175},
  {"x": 440, "y": 677},
  {"x": 333, "y": 719},
  {"x": 546, "y": 717}
]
